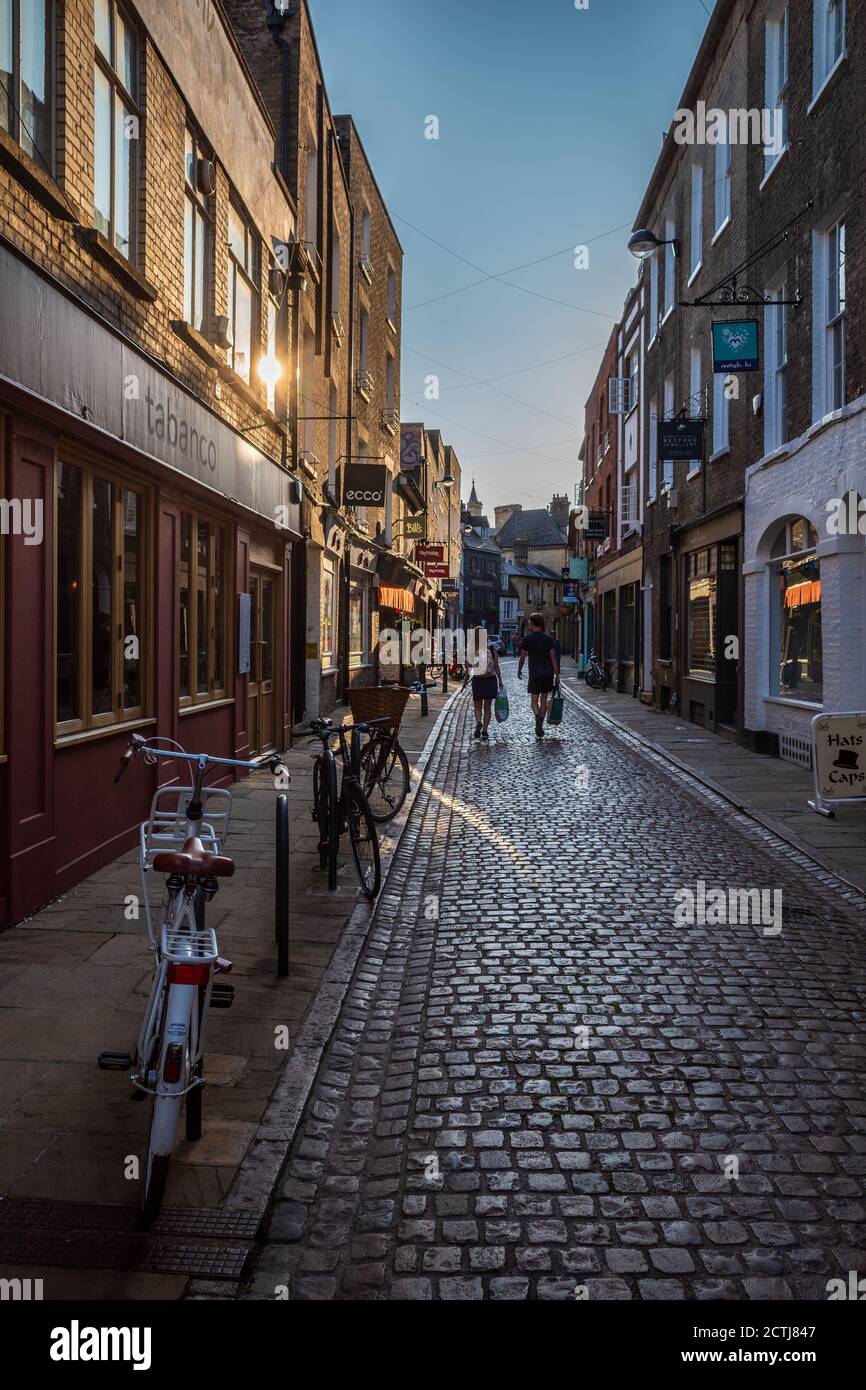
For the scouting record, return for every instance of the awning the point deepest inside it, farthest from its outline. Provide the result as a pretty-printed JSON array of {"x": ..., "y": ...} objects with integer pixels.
[
  {"x": 809, "y": 592},
  {"x": 401, "y": 600}
]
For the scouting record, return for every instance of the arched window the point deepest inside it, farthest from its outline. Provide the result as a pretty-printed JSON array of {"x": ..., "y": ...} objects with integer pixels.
[{"x": 796, "y": 651}]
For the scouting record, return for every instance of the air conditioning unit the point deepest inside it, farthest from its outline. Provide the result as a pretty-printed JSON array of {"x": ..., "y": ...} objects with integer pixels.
[
  {"x": 206, "y": 177},
  {"x": 673, "y": 499}
]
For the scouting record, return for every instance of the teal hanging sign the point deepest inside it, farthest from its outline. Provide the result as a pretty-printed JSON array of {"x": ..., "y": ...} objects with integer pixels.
[{"x": 735, "y": 347}]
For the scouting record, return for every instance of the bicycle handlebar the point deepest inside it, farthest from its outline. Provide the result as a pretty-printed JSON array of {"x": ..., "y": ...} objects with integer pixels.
[{"x": 203, "y": 760}]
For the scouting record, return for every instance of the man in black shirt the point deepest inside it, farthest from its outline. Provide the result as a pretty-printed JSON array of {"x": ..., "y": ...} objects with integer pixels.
[{"x": 543, "y": 669}]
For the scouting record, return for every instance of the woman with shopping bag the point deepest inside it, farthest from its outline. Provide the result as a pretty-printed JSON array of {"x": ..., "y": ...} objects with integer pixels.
[{"x": 487, "y": 682}]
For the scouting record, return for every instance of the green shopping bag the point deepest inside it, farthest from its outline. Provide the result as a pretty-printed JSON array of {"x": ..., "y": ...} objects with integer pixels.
[
  {"x": 501, "y": 709},
  {"x": 557, "y": 707}
]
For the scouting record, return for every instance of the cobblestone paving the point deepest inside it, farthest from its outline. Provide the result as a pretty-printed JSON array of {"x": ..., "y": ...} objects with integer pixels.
[{"x": 466, "y": 1140}]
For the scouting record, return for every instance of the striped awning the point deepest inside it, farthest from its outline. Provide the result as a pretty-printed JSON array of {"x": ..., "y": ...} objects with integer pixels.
[{"x": 401, "y": 600}]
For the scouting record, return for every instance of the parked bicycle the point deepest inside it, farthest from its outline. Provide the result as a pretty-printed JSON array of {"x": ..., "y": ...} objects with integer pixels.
[
  {"x": 338, "y": 811},
  {"x": 382, "y": 768},
  {"x": 436, "y": 671},
  {"x": 183, "y": 839},
  {"x": 597, "y": 675}
]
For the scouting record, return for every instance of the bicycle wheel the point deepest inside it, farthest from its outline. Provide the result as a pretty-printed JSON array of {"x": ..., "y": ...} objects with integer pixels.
[
  {"x": 385, "y": 778},
  {"x": 594, "y": 678},
  {"x": 325, "y": 800},
  {"x": 434, "y": 675},
  {"x": 364, "y": 839},
  {"x": 168, "y": 1100}
]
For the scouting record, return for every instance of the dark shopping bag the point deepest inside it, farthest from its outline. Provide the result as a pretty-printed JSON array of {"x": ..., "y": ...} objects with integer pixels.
[{"x": 557, "y": 706}]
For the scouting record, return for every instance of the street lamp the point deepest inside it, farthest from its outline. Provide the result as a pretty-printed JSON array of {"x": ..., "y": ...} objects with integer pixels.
[{"x": 643, "y": 243}]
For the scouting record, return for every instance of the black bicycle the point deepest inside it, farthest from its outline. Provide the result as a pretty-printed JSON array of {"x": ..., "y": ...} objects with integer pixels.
[
  {"x": 338, "y": 811},
  {"x": 382, "y": 768},
  {"x": 597, "y": 676}
]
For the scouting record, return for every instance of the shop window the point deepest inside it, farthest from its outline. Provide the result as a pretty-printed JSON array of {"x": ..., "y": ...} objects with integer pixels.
[
  {"x": 329, "y": 615},
  {"x": 26, "y": 76},
  {"x": 243, "y": 297},
  {"x": 117, "y": 126},
  {"x": 358, "y": 624},
  {"x": 196, "y": 238},
  {"x": 203, "y": 610},
  {"x": 796, "y": 648},
  {"x": 702, "y": 599},
  {"x": 102, "y": 639}
]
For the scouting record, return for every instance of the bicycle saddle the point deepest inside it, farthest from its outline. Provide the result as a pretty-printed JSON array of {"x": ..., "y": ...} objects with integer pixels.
[{"x": 193, "y": 860}]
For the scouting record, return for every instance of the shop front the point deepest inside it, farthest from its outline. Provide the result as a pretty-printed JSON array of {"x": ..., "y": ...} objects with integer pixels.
[
  {"x": 710, "y": 630},
  {"x": 155, "y": 598}
]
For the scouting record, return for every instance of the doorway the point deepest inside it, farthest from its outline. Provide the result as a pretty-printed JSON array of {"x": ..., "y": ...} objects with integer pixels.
[{"x": 263, "y": 662}]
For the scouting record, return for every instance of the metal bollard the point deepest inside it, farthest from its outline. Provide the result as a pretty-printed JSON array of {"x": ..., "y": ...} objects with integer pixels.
[{"x": 422, "y": 682}]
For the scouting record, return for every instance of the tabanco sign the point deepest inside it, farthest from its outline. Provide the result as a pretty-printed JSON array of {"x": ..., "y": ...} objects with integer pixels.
[
  {"x": 429, "y": 554},
  {"x": 681, "y": 439},
  {"x": 839, "y": 759},
  {"x": 365, "y": 485},
  {"x": 735, "y": 347}
]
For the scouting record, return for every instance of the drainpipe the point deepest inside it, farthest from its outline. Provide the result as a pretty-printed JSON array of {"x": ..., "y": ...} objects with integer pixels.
[{"x": 349, "y": 399}]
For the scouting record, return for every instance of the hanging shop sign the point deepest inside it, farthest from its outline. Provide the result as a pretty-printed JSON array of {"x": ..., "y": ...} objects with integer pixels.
[
  {"x": 450, "y": 586},
  {"x": 596, "y": 529},
  {"x": 681, "y": 439},
  {"x": 365, "y": 485},
  {"x": 415, "y": 528},
  {"x": 735, "y": 347},
  {"x": 335, "y": 537},
  {"x": 838, "y": 760},
  {"x": 410, "y": 447},
  {"x": 429, "y": 554},
  {"x": 570, "y": 591},
  {"x": 437, "y": 571}
]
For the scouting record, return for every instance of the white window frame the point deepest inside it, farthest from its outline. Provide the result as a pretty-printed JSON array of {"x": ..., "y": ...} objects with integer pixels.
[
  {"x": 311, "y": 211},
  {"x": 668, "y": 470},
  {"x": 825, "y": 62},
  {"x": 329, "y": 659},
  {"x": 653, "y": 450},
  {"x": 826, "y": 326},
  {"x": 670, "y": 280},
  {"x": 697, "y": 221},
  {"x": 696, "y": 368},
  {"x": 653, "y": 273},
  {"x": 775, "y": 366},
  {"x": 776, "y": 74},
  {"x": 722, "y": 188},
  {"x": 721, "y": 416}
]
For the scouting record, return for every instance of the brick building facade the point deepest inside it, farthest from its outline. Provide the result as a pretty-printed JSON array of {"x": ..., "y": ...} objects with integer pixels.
[{"x": 138, "y": 236}]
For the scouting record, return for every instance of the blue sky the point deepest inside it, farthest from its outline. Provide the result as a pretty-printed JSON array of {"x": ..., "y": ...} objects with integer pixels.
[{"x": 550, "y": 122}]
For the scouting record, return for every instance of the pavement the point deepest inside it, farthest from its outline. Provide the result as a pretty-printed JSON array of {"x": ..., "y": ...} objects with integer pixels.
[
  {"x": 74, "y": 980},
  {"x": 773, "y": 792},
  {"x": 554, "y": 1074}
]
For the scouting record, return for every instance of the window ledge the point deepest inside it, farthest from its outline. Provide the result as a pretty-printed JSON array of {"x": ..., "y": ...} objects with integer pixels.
[
  {"x": 695, "y": 473},
  {"x": 104, "y": 731},
  {"x": 103, "y": 251},
  {"x": 36, "y": 179},
  {"x": 199, "y": 344},
  {"x": 695, "y": 273},
  {"x": 205, "y": 706},
  {"x": 827, "y": 81},
  {"x": 666, "y": 315},
  {"x": 720, "y": 454},
  {"x": 393, "y": 327},
  {"x": 793, "y": 704},
  {"x": 243, "y": 388},
  {"x": 719, "y": 230},
  {"x": 771, "y": 171}
]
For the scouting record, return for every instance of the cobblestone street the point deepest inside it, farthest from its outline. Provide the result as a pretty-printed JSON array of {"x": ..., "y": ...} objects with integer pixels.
[{"x": 541, "y": 1086}]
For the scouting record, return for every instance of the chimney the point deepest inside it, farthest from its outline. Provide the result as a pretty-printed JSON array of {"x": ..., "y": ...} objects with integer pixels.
[
  {"x": 503, "y": 514},
  {"x": 560, "y": 509},
  {"x": 521, "y": 552}
]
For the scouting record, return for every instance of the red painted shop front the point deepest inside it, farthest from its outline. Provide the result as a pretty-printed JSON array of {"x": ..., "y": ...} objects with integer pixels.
[{"x": 124, "y": 615}]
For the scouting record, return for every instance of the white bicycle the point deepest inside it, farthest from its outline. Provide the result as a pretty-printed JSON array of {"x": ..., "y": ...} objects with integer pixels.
[{"x": 182, "y": 838}]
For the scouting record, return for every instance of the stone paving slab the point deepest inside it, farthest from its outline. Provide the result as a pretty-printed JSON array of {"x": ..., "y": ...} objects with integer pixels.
[{"x": 542, "y": 1085}]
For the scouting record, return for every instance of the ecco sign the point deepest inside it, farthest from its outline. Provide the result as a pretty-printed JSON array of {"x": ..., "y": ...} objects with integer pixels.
[{"x": 365, "y": 485}]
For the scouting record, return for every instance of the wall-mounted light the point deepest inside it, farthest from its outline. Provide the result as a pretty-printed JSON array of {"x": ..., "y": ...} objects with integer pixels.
[{"x": 644, "y": 243}]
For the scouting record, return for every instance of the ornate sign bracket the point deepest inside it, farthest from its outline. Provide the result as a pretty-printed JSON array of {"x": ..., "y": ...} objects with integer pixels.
[{"x": 733, "y": 293}]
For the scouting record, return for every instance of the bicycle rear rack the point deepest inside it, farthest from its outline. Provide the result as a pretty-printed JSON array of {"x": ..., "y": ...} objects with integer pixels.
[{"x": 189, "y": 948}]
